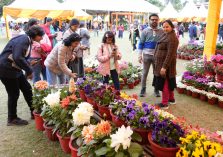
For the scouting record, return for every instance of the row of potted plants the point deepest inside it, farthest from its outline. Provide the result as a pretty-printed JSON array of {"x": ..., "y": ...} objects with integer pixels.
[{"x": 67, "y": 114}]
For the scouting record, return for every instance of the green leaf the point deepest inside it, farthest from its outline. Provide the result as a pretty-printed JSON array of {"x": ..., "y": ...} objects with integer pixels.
[
  {"x": 79, "y": 141},
  {"x": 71, "y": 129},
  {"x": 135, "y": 136},
  {"x": 119, "y": 154},
  {"x": 101, "y": 151},
  {"x": 135, "y": 148}
]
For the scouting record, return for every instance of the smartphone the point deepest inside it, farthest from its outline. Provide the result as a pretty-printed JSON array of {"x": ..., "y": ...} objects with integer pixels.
[{"x": 38, "y": 60}]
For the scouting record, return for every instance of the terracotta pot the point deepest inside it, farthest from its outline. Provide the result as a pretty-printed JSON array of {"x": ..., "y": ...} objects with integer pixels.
[
  {"x": 38, "y": 121},
  {"x": 189, "y": 93},
  {"x": 73, "y": 149},
  {"x": 49, "y": 132},
  {"x": 82, "y": 95},
  {"x": 220, "y": 104},
  {"x": 64, "y": 143},
  {"x": 115, "y": 119},
  {"x": 159, "y": 151},
  {"x": 212, "y": 101},
  {"x": 131, "y": 85},
  {"x": 179, "y": 56},
  {"x": 144, "y": 134},
  {"x": 135, "y": 83},
  {"x": 91, "y": 101},
  {"x": 122, "y": 85},
  {"x": 104, "y": 111},
  {"x": 195, "y": 95},
  {"x": 125, "y": 80},
  {"x": 219, "y": 78},
  {"x": 203, "y": 97},
  {"x": 180, "y": 90}
]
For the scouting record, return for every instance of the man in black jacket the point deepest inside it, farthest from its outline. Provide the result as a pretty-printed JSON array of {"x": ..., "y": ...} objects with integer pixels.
[{"x": 13, "y": 60}]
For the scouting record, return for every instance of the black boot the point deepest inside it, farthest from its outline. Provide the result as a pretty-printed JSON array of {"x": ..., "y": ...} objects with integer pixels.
[
  {"x": 143, "y": 92},
  {"x": 156, "y": 93}
]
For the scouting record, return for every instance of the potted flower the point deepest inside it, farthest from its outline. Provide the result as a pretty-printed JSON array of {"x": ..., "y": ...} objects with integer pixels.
[
  {"x": 209, "y": 67},
  {"x": 104, "y": 96},
  {"x": 82, "y": 116},
  {"x": 203, "y": 95},
  {"x": 181, "y": 87},
  {"x": 100, "y": 141},
  {"x": 165, "y": 138},
  {"x": 81, "y": 83},
  {"x": 195, "y": 144},
  {"x": 122, "y": 83},
  {"x": 220, "y": 101},
  {"x": 130, "y": 82},
  {"x": 212, "y": 98},
  {"x": 219, "y": 72},
  {"x": 40, "y": 91}
]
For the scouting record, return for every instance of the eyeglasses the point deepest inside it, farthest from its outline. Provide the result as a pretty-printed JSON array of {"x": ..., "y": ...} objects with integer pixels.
[{"x": 154, "y": 19}]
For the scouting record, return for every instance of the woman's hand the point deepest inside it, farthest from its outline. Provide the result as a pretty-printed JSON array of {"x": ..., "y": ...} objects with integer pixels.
[
  {"x": 163, "y": 72},
  {"x": 73, "y": 58},
  {"x": 73, "y": 75}
]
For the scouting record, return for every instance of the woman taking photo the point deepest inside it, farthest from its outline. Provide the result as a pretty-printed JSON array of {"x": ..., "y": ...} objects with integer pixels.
[
  {"x": 57, "y": 61},
  {"x": 165, "y": 64},
  {"x": 108, "y": 56},
  {"x": 13, "y": 60}
]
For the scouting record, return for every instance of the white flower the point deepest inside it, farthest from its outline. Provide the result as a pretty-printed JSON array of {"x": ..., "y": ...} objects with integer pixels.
[
  {"x": 165, "y": 114},
  {"x": 87, "y": 107},
  {"x": 220, "y": 98},
  {"x": 212, "y": 95},
  {"x": 81, "y": 116},
  {"x": 190, "y": 88},
  {"x": 53, "y": 99},
  {"x": 220, "y": 133},
  {"x": 181, "y": 85},
  {"x": 121, "y": 137}
]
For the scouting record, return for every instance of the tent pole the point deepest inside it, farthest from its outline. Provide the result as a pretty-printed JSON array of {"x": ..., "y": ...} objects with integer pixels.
[
  {"x": 116, "y": 20},
  {"x": 7, "y": 27},
  {"x": 212, "y": 28}
]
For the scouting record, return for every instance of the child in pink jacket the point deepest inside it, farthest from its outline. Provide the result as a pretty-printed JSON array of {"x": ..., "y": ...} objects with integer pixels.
[{"x": 108, "y": 56}]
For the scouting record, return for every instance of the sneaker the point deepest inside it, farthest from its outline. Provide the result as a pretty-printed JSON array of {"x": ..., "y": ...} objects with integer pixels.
[
  {"x": 17, "y": 122},
  {"x": 156, "y": 93},
  {"x": 162, "y": 106},
  {"x": 172, "y": 102},
  {"x": 143, "y": 92}
]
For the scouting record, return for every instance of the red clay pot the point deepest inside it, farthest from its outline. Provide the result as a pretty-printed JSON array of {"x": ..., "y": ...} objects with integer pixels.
[
  {"x": 131, "y": 85},
  {"x": 203, "y": 97},
  {"x": 91, "y": 101},
  {"x": 64, "y": 143},
  {"x": 212, "y": 101},
  {"x": 122, "y": 85},
  {"x": 104, "y": 111},
  {"x": 73, "y": 149},
  {"x": 180, "y": 90},
  {"x": 125, "y": 80},
  {"x": 219, "y": 78},
  {"x": 38, "y": 121},
  {"x": 144, "y": 134},
  {"x": 159, "y": 151},
  {"x": 82, "y": 95},
  {"x": 49, "y": 133},
  {"x": 220, "y": 104},
  {"x": 115, "y": 119},
  {"x": 189, "y": 93},
  {"x": 195, "y": 95}
]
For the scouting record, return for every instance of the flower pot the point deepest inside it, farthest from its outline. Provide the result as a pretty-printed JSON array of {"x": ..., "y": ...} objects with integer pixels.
[
  {"x": 38, "y": 121},
  {"x": 64, "y": 143},
  {"x": 219, "y": 78},
  {"x": 189, "y": 93},
  {"x": 135, "y": 83},
  {"x": 116, "y": 120},
  {"x": 125, "y": 80},
  {"x": 220, "y": 104},
  {"x": 131, "y": 85},
  {"x": 91, "y": 101},
  {"x": 212, "y": 101},
  {"x": 122, "y": 85},
  {"x": 104, "y": 111},
  {"x": 179, "y": 56},
  {"x": 74, "y": 149},
  {"x": 49, "y": 132},
  {"x": 82, "y": 95},
  {"x": 195, "y": 95},
  {"x": 144, "y": 134},
  {"x": 203, "y": 97},
  {"x": 159, "y": 151},
  {"x": 180, "y": 90}
]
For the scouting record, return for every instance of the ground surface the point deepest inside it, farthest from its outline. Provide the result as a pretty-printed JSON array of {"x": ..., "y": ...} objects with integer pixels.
[{"x": 27, "y": 142}]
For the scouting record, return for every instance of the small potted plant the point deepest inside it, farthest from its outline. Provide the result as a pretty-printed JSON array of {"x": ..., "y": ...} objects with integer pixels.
[
  {"x": 40, "y": 91},
  {"x": 165, "y": 138},
  {"x": 219, "y": 72},
  {"x": 130, "y": 82},
  {"x": 81, "y": 83},
  {"x": 122, "y": 83}
]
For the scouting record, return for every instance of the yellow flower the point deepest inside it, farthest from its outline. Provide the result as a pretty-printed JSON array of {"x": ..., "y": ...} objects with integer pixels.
[
  {"x": 195, "y": 134},
  {"x": 203, "y": 137},
  {"x": 198, "y": 153},
  {"x": 212, "y": 153},
  {"x": 198, "y": 144},
  {"x": 207, "y": 145},
  {"x": 217, "y": 147},
  {"x": 189, "y": 137},
  {"x": 182, "y": 153},
  {"x": 184, "y": 140}
]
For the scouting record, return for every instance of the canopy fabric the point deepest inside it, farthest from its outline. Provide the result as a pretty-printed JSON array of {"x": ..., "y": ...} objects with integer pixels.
[
  {"x": 112, "y": 5},
  {"x": 36, "y": 9},
  {"x": 189, "y": 11},
  {"x": 169, "y": 12},
  {"x": 202, "y": 12},
  {"x": 98, "y": 18}
]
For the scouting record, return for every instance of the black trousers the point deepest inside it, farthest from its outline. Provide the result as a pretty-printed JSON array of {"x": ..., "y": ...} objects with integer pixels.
[
  {"x": 12, "y": 87},
  {"x": 77, "y": 66},
  {"x": 115, "y": 79}
]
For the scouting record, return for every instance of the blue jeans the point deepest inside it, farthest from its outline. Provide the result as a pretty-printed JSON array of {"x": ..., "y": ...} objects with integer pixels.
[
  {"x": 52, "y": 77},
  {"x": 37, "y": 70}
]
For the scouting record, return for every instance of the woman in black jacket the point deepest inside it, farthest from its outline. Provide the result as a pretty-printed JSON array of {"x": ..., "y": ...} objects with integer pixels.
[{"x": 13, "y": 60}]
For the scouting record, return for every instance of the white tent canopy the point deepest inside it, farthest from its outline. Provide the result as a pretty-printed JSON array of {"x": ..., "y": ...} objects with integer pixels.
[
  {"x": 98, "y": 18},
  {"x": 203, "y": 12},
  {"x": 189, "y": 11},
  {"x": 112, "y": 5},
  {"x": 169, "y": 12}
]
